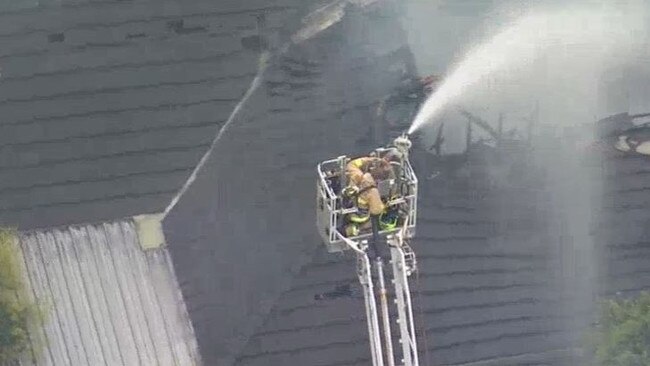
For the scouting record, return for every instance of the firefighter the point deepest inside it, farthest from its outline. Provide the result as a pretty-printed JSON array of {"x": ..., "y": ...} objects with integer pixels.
[{"x": 363, "y": 174}]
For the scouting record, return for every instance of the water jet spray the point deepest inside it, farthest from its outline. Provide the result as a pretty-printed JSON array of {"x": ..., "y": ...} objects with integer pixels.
[{"x": 524, "y": 42}]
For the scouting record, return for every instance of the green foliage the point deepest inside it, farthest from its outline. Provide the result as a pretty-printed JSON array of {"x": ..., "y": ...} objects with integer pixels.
[
  {"x": 623, "y": 337},
  {"x": 15, "y": 312},
  {"x": 13, "y": 330}
]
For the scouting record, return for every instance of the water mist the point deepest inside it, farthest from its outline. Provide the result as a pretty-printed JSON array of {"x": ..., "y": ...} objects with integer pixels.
[{"x": 553, "y": 58}]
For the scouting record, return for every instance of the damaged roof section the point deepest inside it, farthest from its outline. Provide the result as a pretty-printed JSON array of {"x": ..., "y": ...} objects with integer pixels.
[{"x": 106, "y": 301}]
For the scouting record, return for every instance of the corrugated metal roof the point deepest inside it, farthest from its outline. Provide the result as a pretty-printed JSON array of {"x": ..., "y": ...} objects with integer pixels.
[{"x": 107, "y": 301}]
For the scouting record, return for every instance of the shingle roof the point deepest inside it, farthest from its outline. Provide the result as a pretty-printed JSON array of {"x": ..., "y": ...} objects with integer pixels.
[
  {"x": 247, "y": 223},
  {"x": 482, "y": 293},
  {"x": 107, "y": 106},
  {"x": 624, "y": 229}
]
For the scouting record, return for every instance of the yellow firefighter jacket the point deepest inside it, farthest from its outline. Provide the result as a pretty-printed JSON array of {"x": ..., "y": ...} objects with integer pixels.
[{"x": 358, "y": 175}]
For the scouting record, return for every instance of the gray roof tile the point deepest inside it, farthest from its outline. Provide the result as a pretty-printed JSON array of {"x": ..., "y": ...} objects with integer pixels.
[{"x": 115, "y": 101}]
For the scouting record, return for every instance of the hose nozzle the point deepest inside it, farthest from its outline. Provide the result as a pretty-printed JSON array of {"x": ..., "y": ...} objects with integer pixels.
[{"x": 403, "y": 144}]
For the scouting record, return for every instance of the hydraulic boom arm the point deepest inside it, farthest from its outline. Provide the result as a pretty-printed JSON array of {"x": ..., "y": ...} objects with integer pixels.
[
  {"x": 403, "y": 265},
  {"x": 335, "y": 215}
]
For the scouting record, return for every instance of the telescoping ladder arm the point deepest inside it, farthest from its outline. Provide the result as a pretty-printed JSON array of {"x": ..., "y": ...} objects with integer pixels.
[
  {"x": 403, "y": 265},
  {"x": 364, "y": 273}
]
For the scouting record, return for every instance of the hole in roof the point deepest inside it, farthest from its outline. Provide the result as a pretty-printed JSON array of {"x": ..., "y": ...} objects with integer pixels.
[
  {"x": 55, "y": 37},
  {"x": 178, "y": 26},
  {"x": 187, "y": 30},
  {"x": 175, "y": 25},
  {"x": 255, "y": 43},
  {"x": 135, "y": 35},
  {"x": 260, "y": 19}
]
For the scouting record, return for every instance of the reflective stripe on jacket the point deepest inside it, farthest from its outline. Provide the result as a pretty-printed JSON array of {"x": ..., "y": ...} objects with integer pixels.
[{"x": 369, "y": 198}]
